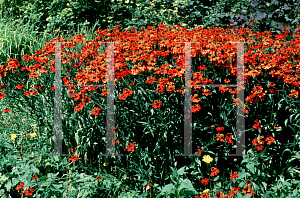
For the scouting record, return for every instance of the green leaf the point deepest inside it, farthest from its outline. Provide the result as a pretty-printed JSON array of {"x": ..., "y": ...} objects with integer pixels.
[
  {"x": 181, "y": 171},
  {"x": 7, "y": 145},
  {"x": 186, "y": 184},
  {"x": 250, "y": 167},
  {"x": 265, "y": 185},
  {"x": 44, "y": 178},
  {"x": 8, "y": 185},
  {"x": 168, "y": 188},
  {"x": 15, "y": 181}
]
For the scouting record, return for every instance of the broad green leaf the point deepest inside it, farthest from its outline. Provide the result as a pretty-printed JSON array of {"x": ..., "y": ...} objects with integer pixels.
[
  {"x": 168, "y": 188},
  {"x": 186, "y": 184},
  {"x": 181, "y": 171}
]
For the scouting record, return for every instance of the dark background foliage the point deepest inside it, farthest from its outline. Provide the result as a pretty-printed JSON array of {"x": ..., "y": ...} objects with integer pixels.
[{"x": 65, "y": 15}]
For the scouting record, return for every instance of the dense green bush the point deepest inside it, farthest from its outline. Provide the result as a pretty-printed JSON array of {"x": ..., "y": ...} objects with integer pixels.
[
  {"x": 267, "y": 15},
  {"x": 66, "y": 14},
  {"x": 61, "y": 15}
]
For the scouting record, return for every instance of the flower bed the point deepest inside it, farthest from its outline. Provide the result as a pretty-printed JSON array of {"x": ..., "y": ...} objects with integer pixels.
[{"x": 149, "y": 69}]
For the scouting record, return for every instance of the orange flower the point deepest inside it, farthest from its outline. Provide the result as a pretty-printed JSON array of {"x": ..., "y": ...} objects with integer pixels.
[
  {"x": 117, "y": 142},
  {"x": 156, "y": 104},
  {"x": 195, "y": 107},
  {"x": 196, "y": 98},
  {"x": 20, "y": 188},
  {"x": 220, "y": 137},
  {"x": 130, "y": 147},
  {"x": 220, "y": 128},
  {"x": 20, "y": 86},
  {"x": 74, "y": 158},
  {"x": 98, "y": 178},
  {"x": 233, "y": 175},
  {"x": 270, "y": 139},
  {"x": 206, "y": 92},
  {"x": 214, "y": 171},
  {"x": 256, "y": 126},
  {"x": 29, "y": 192},
  {"x": 96, "y": 111}
]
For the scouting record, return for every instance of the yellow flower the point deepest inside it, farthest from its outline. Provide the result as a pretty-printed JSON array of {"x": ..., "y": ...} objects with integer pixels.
[
  {"x": 32, "y": 134},
  {"x": 105, "y": 164},
  {"x": 47, "y": 164},
  {"x": 13, "y": 136},
  {"x": 207, "y": 159}
]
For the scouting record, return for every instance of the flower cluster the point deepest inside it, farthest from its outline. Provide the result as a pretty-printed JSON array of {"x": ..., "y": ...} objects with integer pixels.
[
  {"x": 126, "y": 93},
  {"x": 257, "y": 125},
  {"x": 247, "y": 190},
  {"x": 20, "y": 189},
  {"x": 228, "y": 137},
  {"x": 258, "y": 142}
]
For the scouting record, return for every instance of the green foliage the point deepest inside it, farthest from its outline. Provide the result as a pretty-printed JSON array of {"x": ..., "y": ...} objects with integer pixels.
[
  {"x": 58, "y": 15},
  {"x": 65, "y": 15}
]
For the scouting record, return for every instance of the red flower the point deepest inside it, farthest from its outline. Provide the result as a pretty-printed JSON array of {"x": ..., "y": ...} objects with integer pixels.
[
  {"x": 117, "y": 142},
  {"x": 74, "y": 158},
  {"x": 260, "y": 147},
  {"x": 148, "y": 185},
  {"x": 204, "y": 181},
  {"x": 226, "y": 80},
  {"x": 270, "y": 139},
  {"x": 20, "y": 188},
  {"x": 7, "y": 110},
  {"x": 199, "y": 151},
  {"x": 52, "y": 88},
  {"x": 20, "y": 86},
  {"x": 2, "y": 95},
  {"x": 256, "y": 126},
  {"x": 233, "y": 175},
  {"x": 35, "y": 177},
  {"x": 195, "y": 107},
  {"x": 98, "y": 178},
  {"x": 29, "y": 192},
  {"x": 214, "y": 171},
  {"x": 220, "y": 137},
  {"x": 156, "y": 104},
  {"x": 96, "y": 111},
  {"x": 228, "y": 138},
  {"x": 130, "y": 147},
  {"x": 220, "y": 128},
  {"x": 70, "y": 150}
]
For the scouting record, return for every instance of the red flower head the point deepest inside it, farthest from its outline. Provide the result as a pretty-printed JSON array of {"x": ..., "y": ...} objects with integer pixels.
[
  {"x": 130, "y": 147},
  {"x": 74, "y": 158}
]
